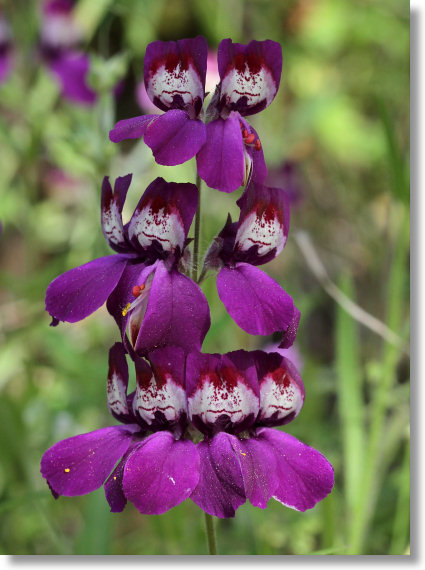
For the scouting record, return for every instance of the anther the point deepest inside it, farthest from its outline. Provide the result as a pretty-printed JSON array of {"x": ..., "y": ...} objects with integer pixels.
[
  {"x": 125, "y": 310},
  {"x": 245, "y": 133},
  {"x": 249, "y": 139},
  {"x": 137, "y": 289},
  {"x": 257, "y": 144}
]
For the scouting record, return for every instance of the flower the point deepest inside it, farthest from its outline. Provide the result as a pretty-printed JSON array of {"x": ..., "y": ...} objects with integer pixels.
[
  {"x": 5, "y": 49},
  {"x": 60, "y": 40},
  {"x": 155, "y": 472},
  {"x": 235, "y": 399},
  {"x": 250, "y": 77},
  {"x": 145, "y": 292},
  {"x": 287, "y": 177},
  {"x": 255, "y": 301},
  {"x": 174, "y": 74}
]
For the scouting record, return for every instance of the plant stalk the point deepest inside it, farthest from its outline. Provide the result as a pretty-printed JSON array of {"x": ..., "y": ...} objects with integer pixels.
[
  {"x": 195, "y": 267},
  {"x": 211, "y": 538}
]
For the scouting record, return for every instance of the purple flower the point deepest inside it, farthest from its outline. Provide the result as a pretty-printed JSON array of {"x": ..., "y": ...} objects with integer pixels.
[
  {"x": 287, "y": 177},
  {"x": 155, "y": 472},
  {"x": 255, "y": 301},
  {"x": 174, "y": 74},
  {"x": 60, "y": 41},
  {"x": 250, "y": 77},
  {"x": 234, "y": 399},
  {"x": 5, "y": 49},
  {"x": 145, "y": 292}
]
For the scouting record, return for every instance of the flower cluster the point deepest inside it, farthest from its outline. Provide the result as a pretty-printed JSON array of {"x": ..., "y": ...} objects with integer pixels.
[
  {"x": 59, "y": 50},
  {"x": 60, "y": 42},
  {"x": 228, "y": 403},
  {"x": 197, "y": 425}
]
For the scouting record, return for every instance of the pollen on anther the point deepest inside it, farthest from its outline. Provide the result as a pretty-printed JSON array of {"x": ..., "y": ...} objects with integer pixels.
[
  {"x": 137, "y": 289},
  {"x": 249, "y": 139},
  {"x": 67, "y": 469},
  {"x": 125, "y": 310},
  {"x": 245, "y": 133},
  {"x": 257, "y": 144}
]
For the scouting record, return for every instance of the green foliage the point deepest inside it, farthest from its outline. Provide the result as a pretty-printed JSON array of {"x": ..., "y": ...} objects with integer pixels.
[{"x": 341, "y": 117}]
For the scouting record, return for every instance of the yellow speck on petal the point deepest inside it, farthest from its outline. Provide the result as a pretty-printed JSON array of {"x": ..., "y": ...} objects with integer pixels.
[
  {"x": 67, "y": 470},
  {"x": 125, "y": 310},
  {"x": 115, "y": 478},
  {"x": 242, "y": 453}
]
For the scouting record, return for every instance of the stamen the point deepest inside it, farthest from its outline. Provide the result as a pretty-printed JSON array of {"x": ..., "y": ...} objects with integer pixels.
[
  {"x": 249, "y": 139},
  {"x": 257, "y": 144},
  {"x": 245, "y": 133},
  {"x": 137, "y": 289},
  {"x": 125, "y": 310}
]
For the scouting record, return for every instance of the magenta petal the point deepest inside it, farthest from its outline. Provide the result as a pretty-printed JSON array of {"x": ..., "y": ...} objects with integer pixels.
[
  {"x": 133, "y": 128},
  {"x": 79, "y": 292},
  {"x": 175, "y": 138},
  {"x": 160, "y": 473},
  {"x": 177, "y": 313},
  {"x": 258, "y": 466},
  {"x": 80, "y": 464},
  {"x": 220, "y": 491},
  {"x": 122, "y": 293},
  {"x": 256, "y": 302},
  {"x": 71, "y": 69},
  {"x": 305, "y": 475},
  {"x": 113, "y": 485},
  {"x": 290, "y": 334},
  {"x": 221, "y": 161}
]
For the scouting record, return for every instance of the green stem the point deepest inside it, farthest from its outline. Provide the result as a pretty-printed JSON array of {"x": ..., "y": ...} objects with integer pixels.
[
  {"x": 211, "y": 539},
  {"x": 197, "y": 233},
  {"x": 379, "y": 405}
]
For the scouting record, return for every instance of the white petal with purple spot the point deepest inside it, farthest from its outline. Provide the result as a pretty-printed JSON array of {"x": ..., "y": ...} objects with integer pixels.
[
  {"x": 161, "y": 224},
  {"x": 166, "y": 83},
  {"x": 216, "y": 397},
  {"x": 169, "y": 398},
  {"x": 245, "y": 83},
  {"x": 263, "y": 229}
]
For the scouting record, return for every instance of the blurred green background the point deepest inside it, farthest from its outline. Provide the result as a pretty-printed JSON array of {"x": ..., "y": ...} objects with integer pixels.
[{"x": 341, "y": 119}]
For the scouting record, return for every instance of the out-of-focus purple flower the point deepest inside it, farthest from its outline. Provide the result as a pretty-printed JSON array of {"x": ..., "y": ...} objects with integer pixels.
[
  {"x": 60, "y": 41},
  {"x": 174, "y": 77},
  {"x": 256, "y": 302},
  {"x": 145, "y": 292},
  {"x": 287, "y": 178},
  {"x": 234, "y": 399},
  {"x": 292, "y": 353},
  {"x": 155, "y": 472},
  {"x": 5, "y": 49},
  {"x": 249, "y": 80}
]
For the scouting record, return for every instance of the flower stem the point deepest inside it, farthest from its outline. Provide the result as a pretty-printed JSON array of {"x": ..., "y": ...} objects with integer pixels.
[
  {"x": 211, "y": 539},
  {"x": 197, "y": 233}
]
